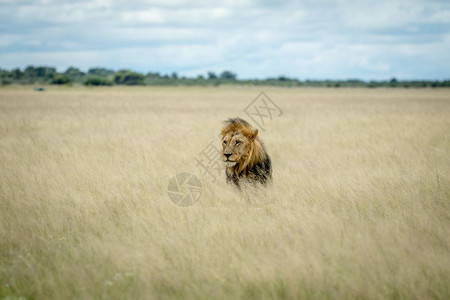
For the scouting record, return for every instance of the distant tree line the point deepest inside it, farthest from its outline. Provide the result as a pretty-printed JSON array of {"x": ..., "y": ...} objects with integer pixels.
[{"x": 106, "y": 77}]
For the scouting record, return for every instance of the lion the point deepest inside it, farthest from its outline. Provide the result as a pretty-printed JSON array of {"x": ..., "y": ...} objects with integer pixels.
[{"x": 243, "y": 154}]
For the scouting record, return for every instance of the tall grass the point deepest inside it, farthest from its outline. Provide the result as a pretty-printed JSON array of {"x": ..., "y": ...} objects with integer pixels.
[{"x": 359, "y": 208}]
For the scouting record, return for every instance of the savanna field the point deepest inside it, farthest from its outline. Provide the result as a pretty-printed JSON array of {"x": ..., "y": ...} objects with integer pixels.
[{"x": 359, "y": 206}]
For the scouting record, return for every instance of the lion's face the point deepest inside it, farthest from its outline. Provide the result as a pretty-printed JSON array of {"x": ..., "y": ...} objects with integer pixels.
[
  {"x": 243, "y": 153},
  {"x": 235, "y": 147}
]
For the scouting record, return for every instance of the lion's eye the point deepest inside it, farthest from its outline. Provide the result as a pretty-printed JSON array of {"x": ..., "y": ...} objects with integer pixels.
[
  {"x": 237, "y": 143},
  {"x": 224, "y": 142}
]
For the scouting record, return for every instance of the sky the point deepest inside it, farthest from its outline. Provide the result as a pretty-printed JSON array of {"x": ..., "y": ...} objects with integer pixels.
[{"x": 369, "y": 40}]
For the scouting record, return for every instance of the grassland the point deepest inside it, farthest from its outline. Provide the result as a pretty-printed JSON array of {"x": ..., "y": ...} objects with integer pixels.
[{"x": 359, "y": 208}]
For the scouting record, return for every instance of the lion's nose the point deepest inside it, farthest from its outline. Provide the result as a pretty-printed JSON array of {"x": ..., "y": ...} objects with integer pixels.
[{"x": 227, "y": 155}]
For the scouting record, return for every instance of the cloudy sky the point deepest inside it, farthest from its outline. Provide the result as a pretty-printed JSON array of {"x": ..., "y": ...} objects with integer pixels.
[{"x": 254, "y": 38}]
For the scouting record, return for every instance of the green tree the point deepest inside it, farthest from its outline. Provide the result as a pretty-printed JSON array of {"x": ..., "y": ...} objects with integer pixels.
[
  {"x": 212, "y": 75},
  {"x": 74, "y": 74},
  {"x": 61, "y": 79},
  {"x": 40, "y": 74},
  {"x": 102, "y": 72},
  {"x": 393, "y": 82},
  {"x": 5, "y": 77},
  {"x": 228, "y": 75},
  {"x": 97, "y": 81},
  {"x": 128, "y": 77},
  {"x": 16, "y": 74},
  {"x": 153, "y": 75}
]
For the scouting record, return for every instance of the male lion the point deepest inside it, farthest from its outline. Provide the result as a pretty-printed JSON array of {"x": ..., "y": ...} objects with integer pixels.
[{"x": 244, "y": 154}]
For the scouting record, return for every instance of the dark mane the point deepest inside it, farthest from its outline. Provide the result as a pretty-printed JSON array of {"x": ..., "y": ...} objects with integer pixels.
[{"x": 236, "y": 122}]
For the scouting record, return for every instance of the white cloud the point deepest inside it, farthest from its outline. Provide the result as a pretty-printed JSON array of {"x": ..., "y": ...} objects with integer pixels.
[
  {"x": 197, "y": 16},
  {"x": 308, "y": 39},
  {"x": 154, "y": 16},
  {"x": 9, "y": 39}
]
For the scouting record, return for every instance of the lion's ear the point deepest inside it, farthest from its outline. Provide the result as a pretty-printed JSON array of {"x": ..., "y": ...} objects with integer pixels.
[{"x": 254, "y": 134}]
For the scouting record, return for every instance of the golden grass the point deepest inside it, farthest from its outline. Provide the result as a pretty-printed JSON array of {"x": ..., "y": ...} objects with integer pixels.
[{"x": 359, "y": 207}]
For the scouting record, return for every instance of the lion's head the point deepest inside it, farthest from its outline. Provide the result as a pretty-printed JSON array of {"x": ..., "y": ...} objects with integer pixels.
[{"x": 240, "y": 146}]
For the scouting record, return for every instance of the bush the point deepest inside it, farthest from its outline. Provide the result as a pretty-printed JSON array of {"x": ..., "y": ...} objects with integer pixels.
[
  {"x": 6, "y": 81},
  {"x": 102, "y": 72},
  {"x": 61, "y": 79},
  {"x": 98, "y": 81},
  {"x": 228, "y": 75},
  {"x": 128, "y": 78},
  {"x": 74, "y": 74}
]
